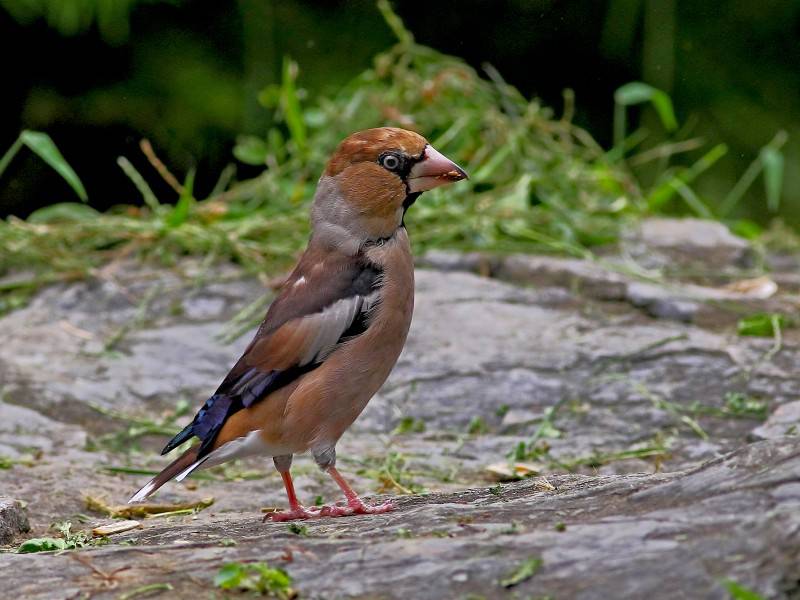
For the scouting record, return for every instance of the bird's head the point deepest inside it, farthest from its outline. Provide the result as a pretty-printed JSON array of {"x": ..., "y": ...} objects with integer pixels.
[{"x": 372, "y": 179}]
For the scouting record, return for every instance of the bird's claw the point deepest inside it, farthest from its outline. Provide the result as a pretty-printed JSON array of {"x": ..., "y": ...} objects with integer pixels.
[
  {"x": 356, "y": 508},
  {"x": 292, "y": 514}
]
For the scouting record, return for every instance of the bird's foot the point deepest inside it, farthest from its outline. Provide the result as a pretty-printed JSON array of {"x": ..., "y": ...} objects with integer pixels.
[
  {"x": 356, "y": 507},
  {"x": 293, "y": 514}
]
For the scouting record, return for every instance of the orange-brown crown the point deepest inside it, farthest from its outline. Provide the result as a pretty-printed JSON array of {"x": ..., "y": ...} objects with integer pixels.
[{"x": 368, "y": 145}]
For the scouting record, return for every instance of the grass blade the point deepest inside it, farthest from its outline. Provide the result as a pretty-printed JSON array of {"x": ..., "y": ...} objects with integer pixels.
[
  {"x": 42, "y": 145},
  {"x": 772, "y": 163},
  {"x": 291, "y": 105},
  {"x": 180, "y": 213},
  {"x": 694, "y": 202},
  {"x": 773, "y": 181},
  {"x": 637, "y": 92},
  {"x": 144, "y": 189},
  {"x": 394, "y": 22},
  {"x": 10, "y": 154},
  {"x": 63, "y": 212},
  {"x": 739, "y": 592},
  {"x": 662, "y": 194}
]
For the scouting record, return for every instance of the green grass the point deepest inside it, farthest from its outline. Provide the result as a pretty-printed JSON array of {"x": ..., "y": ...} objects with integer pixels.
[
  {"x": 257, "y": 578},
  {"x": 69, "y": 540},
  {"x": 391, "y": 472},
  {"x": 537, "y": 181}
]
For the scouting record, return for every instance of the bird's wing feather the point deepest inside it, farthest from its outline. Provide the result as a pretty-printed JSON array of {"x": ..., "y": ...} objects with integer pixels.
[{"x": 304, "y": 324}]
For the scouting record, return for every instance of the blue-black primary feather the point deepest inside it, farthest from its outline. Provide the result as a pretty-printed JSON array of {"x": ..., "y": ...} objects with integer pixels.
[{"x": 245, "y": 385}]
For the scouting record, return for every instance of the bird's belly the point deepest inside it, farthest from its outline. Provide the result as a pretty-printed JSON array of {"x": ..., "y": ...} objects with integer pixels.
[
  {"x": 255, "y": 443},
  {"x": 330, "y": 398}
]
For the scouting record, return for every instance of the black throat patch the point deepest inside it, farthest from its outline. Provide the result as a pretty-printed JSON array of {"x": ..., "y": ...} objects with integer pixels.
[{"x": 411, "y": 197}]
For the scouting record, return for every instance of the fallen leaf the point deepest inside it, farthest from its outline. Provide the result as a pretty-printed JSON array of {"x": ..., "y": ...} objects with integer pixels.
[
  {"x": 128, "y": 511},
  {"x": 541, "y": 484},
  {"x": 114, "y": 528},
  {"x": 760, "y": 288},
  {"x": 505, "y": 471}
]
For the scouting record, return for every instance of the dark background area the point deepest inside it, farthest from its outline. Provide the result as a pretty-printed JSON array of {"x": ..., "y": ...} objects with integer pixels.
[{"x": 185, "y": 74}]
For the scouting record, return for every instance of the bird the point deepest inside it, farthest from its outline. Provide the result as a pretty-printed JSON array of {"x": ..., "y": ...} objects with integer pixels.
[{"x": 335, "y": 329}]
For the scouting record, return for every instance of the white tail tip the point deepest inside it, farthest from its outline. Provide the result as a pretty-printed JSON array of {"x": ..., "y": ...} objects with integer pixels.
[
  {"x": 143, "y": 493},
  {"x": 188, "y": 470}
]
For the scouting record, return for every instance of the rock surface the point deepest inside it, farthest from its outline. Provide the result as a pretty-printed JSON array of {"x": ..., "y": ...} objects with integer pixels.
[
  {"x": 680, "y": 535},
  {"x": 629, "y": 396},
  {"x": 686, "y": 243},
  {"x": 13, "y": 520}
]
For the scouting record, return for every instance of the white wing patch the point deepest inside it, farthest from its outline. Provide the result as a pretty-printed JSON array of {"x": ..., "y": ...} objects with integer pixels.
[{"x": 332, "y": 323}]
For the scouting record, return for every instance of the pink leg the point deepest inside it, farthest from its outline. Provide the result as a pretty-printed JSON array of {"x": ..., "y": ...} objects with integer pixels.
[
  {"x": 354, "y": 504},
  {"x": 296, "y": 510}
]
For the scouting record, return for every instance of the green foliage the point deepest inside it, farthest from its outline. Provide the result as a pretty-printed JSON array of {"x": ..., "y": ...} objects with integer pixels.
[
  {"x": 69, "y": 540},
  {"x": 536, "y": 448},
  {"x": 136, "y": 428},
  {"x": 63, "y": 212},
  {"x": 523, "y": 572},
  {"x": 392, "y": 472},
  {"x": 71, "y": 17},
  {"x": 770, "y": 162},
  {"x": 742, "y": 405},
  {"x": 41, "y": 545},
  {"x": 178, "y": 215},
  {"x": 637, "y": 92},
  {"x": 298, "y": 529},
  {"x": 477, "y": 426},
  {"x": 676, "y": 181},
  {"x": 7, "y": 462},
  {"x": 538, "y": 182},
  {"x": 409, "y": 424},
  {"x": 43, "y": 146},
  {"x": 762, "y": 324},
  {"x": 739, "y": 592},
  {"x": 258, "y": 578}
]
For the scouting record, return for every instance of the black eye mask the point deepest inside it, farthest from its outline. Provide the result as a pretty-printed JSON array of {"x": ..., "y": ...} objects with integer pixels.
[{"x": 398, "y": 163}]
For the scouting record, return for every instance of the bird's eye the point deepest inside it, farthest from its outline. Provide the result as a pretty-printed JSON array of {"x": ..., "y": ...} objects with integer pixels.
[{"x": 390, "y": 162}]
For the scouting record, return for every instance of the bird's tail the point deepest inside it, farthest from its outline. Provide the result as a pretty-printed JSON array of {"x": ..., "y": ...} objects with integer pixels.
[{"x": 180, "y": 467}]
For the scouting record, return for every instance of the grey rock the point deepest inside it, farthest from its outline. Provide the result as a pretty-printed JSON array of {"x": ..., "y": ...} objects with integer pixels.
[
  {"x": 789, "y": 281},
  {"x": 564, "y": 282},
  {"x": 13, "y": 520},
  {"x": 661, "y": 303},
  {"x": 471, "y": 262},
  {"x": 784, "y": 420},
  {"x": 619, "y": 536},
  {"x": 586, "y": 278},
  {"x": 486, "y": 362},
  {"x": 662, "y": 243},
  {"x": 783, "y": 262}
]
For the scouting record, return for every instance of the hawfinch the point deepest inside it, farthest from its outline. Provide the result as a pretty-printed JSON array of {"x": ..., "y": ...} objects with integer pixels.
[{"x": 335, "y": 329}]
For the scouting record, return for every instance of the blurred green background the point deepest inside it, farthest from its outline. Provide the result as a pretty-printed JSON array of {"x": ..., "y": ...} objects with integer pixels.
[{"x": 99, "y": 75}]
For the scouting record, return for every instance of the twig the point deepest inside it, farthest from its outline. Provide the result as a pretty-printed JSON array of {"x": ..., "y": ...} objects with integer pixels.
[
  {"x": 109, "y": 579},
  {"x": 665, "y": 150},
  {"x": 147, "y": 150}
]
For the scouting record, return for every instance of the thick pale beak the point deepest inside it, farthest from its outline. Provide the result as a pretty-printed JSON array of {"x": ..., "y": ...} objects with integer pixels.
[{"x": 433, "y": 170}]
